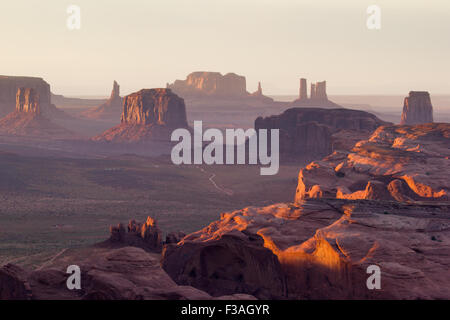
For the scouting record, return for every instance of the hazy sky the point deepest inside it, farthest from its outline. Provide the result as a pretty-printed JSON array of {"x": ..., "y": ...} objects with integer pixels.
[{"x": 144, "y": 44}]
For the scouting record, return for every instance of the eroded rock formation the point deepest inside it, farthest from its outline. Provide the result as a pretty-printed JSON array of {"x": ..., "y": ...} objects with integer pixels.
[
  {"x": 8, "y": 91},
  {"x": 225, "y": 264},
  {"x": 417, "y": 108},
  {"x": 323, "y": 247},
  {"x": 401, "y": 163},
  {"x": 31, "y": 117},
  {"x": 110, "y": 109},
  {"x": 316, "y": 132},
  {"x": 318, "y": 96},
  {"x": 107, "y": 273},
  {"x": 148, "y": 114},
  {"x": 145, "y": 235},
  {"x": 210, "y": 84}
]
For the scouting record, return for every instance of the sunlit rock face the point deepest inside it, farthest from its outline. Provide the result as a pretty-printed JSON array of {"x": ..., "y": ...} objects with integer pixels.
[
  {"x": 323, "y": 247},
  {"x": 316, "y": 132},
  {"x": 417, "y": 108},
  {"x": 401, "y": 163},
  {"x": 27, "y": 100},
  {"x": 8, "y": 90},
  {"x": 148, "y": 114},
  {"x": 210, "y": 84},
  {"x": 154, "y": 106}
]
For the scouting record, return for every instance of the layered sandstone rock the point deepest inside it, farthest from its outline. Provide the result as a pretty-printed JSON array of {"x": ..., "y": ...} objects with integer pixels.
[
  {"x": 110, "y": 109},
  {"x": 323, "y": 247},
  {"x": 13, "y": 283},
  {"x": 145, "y": 235},
  {"x": 148, "y": 114},
  {"x": 107, "y": 273},
  {"x": 214, "y": 88},
  {"x": 318, "y": 96},
  {"x": 210, "y": 84},
  {"x": 417, "y": 108},
  {"x": 303, "y": 95},
  {"x": 225, "y": 264},
  {"x": 8, "y": 90},
  {"x": 31, "y": 118},
  {"x": 316, "y": 132},
  {"x": 402, "y": 163}
]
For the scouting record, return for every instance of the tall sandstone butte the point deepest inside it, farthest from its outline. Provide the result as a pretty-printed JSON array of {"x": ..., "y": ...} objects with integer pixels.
[
  {"x": 417, "y": 108},
  {"x": 147, "y": 114},
  {"x": 30, "y": 117},
  {"x": 8, "y": 90}
]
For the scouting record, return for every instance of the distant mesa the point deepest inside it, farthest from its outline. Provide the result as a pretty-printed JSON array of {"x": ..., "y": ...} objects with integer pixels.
[
  {"x": 30, "y": 117},
  {"x": 112, "y": 108},
  {"x": 317, "y": 132},
  {"x": 8, "y": 90},
  {"x": 318, "y": 96},
  {"x": 215, "y": 85},
  {"x": 417, "y": 108},
  {"x": 149, "y": 114}
]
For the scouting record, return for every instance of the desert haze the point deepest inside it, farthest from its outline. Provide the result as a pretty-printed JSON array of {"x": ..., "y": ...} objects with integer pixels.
[{"x": 358, "y": 207}]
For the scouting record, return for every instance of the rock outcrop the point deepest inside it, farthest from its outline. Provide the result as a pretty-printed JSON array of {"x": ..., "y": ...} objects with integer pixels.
[
  {"x": 213, "y": 85},
  {"x": 417, "y": 108},
  {"x": 225, "y": 264},
  {"x": 323, "y": 248},
  {"x": 144, "y": 235},
  {"x": 30, "y": 118},
  {"x": 397, "y": 163},
  {"x": 111, "y": 109},
  {"x": 210, "y": 84},
  {"x": 316, "y": 132},
  {"x": 9, "y": 86},
  {"x": 107, "y": 273},
  {"x": 318, "y": 96},
  {"x": 8, "y": 91},
  {"x": 149, "y": 114}
]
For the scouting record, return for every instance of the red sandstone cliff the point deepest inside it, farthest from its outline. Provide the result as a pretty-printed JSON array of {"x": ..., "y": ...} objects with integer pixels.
[{"x": 148, "y": 114}]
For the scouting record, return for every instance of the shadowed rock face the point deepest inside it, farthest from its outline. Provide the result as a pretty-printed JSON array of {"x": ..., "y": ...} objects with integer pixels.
[
  {"x": 8, "y": 90},
  {"x": 417, "y": 108},
  {"x": 401, "y": 163},
  {"x": 210, "y": 84},
  {"x": 147, "y": 115},
  {"x": 316, "y": 132},
  {"x": 28, "y": 101},
  {"x": 31, "y": 117}
]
